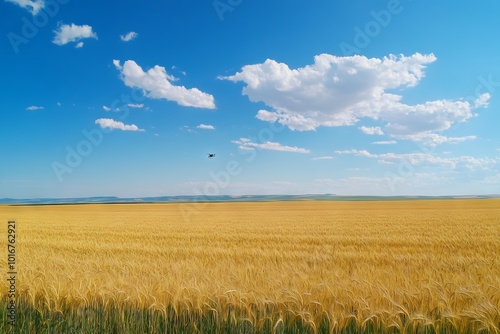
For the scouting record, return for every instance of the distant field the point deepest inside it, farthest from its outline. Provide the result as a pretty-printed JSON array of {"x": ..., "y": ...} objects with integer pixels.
[{"x": 266, "y": 267}]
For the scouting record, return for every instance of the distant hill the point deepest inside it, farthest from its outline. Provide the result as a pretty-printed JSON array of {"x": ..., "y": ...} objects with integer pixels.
[{"x": 227, "y": 198}]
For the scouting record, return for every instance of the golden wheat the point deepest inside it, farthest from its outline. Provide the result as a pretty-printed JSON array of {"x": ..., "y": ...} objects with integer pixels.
[{"x": 399, "y": 266}]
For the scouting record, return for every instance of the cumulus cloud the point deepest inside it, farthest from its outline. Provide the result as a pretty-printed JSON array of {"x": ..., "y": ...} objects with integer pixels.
[
  {"x": 79, "y": 45},
  {"x": 34, "y": 6},
  {"x": 67, "y": 33},
  {"x": 31, "y": 108},
  {"x": 247, "y": 144},
  {"x": 205, "y": 127},
  {"x": 421, "y": 158},
  {"x": 339, "y": 91},
  {"x": 374, "y": 130},
  {"x": 115, "y": 125},
  {"x": 156, "y": 83},
  {"x": 128, "y": 37}
]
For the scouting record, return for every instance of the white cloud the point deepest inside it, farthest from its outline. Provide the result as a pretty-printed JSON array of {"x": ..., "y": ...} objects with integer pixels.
[
  {"x": 482, "y": 101},
  {"x": 34, "y": 6},
  {"x": 371, "y": 130},
  {"x": 427, "y": 159},
  {"x": 268, "y": 116},
  {"x": 128, "y": 37},
  {"x": 72, "y": 33},
  {"x": 135, "y": 105},
  {"x": 79, "y": 45},
  {"x": 205, "y": 127},
  {"x": 34, "y": 108},
  {"x": 156, "y": 84},
  {"x": 359, "y": 153},
  {"x": 339, "y": 91},
  {"x": 434, "y": 139},
  {"x": 385, "y": 142},
  {"x": 323, "y": 158},
  {"x": 247, "y": 144},
  {"x": 112, "y": 124},
  {"x": 106, "y": 108}
]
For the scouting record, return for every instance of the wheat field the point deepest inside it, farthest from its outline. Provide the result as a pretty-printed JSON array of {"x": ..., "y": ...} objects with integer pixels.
[{"x": 421, "y": 266}]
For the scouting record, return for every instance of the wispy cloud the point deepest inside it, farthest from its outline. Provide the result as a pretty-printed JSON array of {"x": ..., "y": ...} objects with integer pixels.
[
  {"x": 34, "y": 6},
  {"x": 205, "y": 127},
  {"x": 339, "y": 91},
  {"x": 156, "y": 83},
  {"x": 187, "y": 128},
  {"x": 385, "y": 142},
  {"x": 35, "y": 108},
  {"x": 79, "y": 45},
  {"x": 128, "y": 37},
  {"x": 247, "y": 144},
  {"x": 116, "y": 125},
  {"x": 434, "y": 139},
  {"x": 323, "y": 158},
  {"x": 67, "y": 33},
  {"x": 106, "y": 108},
  {"x": 468, "y": 162},
  {"x": 135, "y": 105}
]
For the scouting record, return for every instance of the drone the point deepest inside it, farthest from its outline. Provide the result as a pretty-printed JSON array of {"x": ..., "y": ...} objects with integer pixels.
[{"x": 211, "y": 155}]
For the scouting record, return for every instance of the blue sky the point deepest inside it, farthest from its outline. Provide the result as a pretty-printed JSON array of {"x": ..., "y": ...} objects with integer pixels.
[{"x": 126, "y": 98}]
